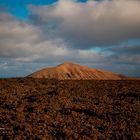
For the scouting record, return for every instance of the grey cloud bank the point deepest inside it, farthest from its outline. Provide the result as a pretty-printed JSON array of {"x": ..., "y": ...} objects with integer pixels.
[{"x": 91, "y": 23}]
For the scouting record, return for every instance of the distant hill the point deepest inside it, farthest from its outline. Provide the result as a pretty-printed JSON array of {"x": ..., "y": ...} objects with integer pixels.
[{"x": 72, "y": 71}]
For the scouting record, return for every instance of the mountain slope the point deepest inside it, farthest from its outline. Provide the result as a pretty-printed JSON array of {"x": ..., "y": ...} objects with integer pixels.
[{"x": 75, "y": 72}]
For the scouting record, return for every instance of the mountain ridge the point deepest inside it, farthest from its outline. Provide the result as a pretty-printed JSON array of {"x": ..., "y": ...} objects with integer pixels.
[{"x": 72, "y": 71}]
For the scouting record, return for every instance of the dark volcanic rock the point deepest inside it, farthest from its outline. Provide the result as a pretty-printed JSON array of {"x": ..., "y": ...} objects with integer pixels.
[{"x": 41, "y": 109}]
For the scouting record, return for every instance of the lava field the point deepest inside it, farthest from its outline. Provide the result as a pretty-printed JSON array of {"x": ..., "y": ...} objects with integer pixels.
[{"x": 41, "y": 109}]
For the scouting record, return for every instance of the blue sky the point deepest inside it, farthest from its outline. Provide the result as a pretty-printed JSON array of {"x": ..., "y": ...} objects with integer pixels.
[
  {"x": 103, "y": 34},
  {"x": 19, "y": 9}
]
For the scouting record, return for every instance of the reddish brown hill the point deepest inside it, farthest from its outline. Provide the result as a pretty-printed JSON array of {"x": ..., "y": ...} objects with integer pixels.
[{"x": 75, "y": 72}]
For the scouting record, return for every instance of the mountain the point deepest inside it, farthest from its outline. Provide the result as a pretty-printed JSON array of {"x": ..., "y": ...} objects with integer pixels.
[{"x": 75, "y": 72}]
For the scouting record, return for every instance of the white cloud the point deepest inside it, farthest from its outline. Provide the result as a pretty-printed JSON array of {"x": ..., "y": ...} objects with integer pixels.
[
  {"x": 92, "y": 23},
  {"x": 23, "y": 41}
]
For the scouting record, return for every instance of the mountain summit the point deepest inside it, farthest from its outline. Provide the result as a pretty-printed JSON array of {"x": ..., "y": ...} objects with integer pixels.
[{"x": 75, "y": 72}]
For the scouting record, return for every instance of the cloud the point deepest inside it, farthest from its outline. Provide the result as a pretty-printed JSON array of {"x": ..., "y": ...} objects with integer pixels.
[
  {"x": 124, "y": 54},
  {"x": 23, "y": 41},
  {"x": 127, "y": 49},
  {"x": 15, "y": 37},
  {"x": 86, "y": 33},
  {"x": 88, "y": 24}
]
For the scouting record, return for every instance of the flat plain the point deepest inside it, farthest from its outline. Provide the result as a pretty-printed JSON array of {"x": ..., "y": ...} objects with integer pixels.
[{"x": 41, "y": 109}]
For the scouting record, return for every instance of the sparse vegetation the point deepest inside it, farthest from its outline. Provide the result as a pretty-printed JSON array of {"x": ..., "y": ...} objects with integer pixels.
[{"x": 42, "y": 109}]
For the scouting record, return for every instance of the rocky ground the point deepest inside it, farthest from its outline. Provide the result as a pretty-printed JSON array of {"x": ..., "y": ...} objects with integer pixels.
[{"x": 40, "y": 109}]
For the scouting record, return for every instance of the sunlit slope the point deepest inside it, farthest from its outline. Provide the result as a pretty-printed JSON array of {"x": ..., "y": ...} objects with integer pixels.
[{"x": 76, "y": 72}]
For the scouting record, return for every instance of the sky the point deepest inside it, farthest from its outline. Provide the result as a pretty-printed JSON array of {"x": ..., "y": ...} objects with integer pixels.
[{"x": 103, "y": 34}]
